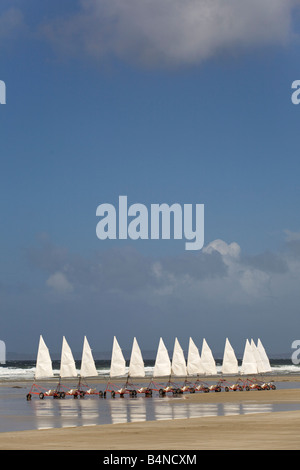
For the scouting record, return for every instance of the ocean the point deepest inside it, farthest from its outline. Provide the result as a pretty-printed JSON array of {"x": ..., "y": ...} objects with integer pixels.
[{"x": 24, "y": 370}]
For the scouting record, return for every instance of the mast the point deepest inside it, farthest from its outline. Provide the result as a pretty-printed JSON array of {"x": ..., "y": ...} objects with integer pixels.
[
  {"x": 136, "y": 363},
  {"x": 194, "y": 362},
  {"x": 67, "y": 363},
  {"x": 249, "y": 365},
  {"x": 118, "y": 363},
  {"x": 88, "y": 368},
  {"x": 162, "y": 365},
  {"x": 178, "y": 366},
  {"x": 207, "y": 359},
  {"x": 264, "y": 357},
  {"x": 259, "y": 363},
  {"x": 43, "y": 362},
  {"x": 230, "y": 363}
]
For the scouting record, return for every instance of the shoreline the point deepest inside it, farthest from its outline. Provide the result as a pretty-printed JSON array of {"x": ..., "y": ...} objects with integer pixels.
[
  {"x": 294, "y": 377},
  {"x": 261, "y": 430}
]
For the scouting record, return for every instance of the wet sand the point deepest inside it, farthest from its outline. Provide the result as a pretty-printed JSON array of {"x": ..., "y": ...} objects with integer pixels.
[
  {"x": 270, "y": 431},
  {"x": 273, "y": 430}
]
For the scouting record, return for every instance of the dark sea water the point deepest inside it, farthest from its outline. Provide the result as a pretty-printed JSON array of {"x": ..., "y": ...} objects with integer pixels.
[{"x": 18, "y": 370}]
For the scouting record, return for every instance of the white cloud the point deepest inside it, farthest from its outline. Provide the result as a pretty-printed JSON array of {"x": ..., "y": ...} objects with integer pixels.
[
  {"x": 171, "y": 32},
  {"x": 11, "y": 24},
  {"x": 292, "y": 236},
  {"x": 219, "y": 275},
  {"x": 59, "y": 283},
  {"x": 232, "y": 250}
]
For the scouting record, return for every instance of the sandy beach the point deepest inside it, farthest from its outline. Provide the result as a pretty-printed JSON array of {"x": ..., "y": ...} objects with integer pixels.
[{"x": 264, "y": 430}]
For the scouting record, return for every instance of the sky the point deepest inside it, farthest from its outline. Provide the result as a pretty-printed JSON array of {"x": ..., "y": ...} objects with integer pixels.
[{"x": 165, "y": 102}]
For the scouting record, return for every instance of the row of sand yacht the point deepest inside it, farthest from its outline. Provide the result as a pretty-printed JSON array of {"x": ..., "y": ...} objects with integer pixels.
[{"x": 166, "y": 372}]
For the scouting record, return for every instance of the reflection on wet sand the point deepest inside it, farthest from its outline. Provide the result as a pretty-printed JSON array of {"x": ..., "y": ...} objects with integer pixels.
[{"x": 69, "y": 413}]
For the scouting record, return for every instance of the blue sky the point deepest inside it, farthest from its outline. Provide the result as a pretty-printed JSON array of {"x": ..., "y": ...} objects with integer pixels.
[{"x": 105, "y": 101}]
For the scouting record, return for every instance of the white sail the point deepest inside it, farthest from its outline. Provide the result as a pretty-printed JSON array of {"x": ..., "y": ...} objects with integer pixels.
[
  {"x": 249, "y": 365},
  {"x": 136, "y": 364},
  {"x": 2, "y": 352},
  {"x": 43, "y": 361},
  {"x": 194, "y": 362},
  {"x": 162, "y": 365},
  {"x": 259, "y": 363},
  {"x": 207, "y": 359},
  {"x": 67, "y": 363},
  {"x": 230, "y": 362},
  {"x": 178, "y": 366},
  {"x": 264, "y": 357},
  {"x": 88, "y": 368},
  {"x": 118, "y": 363}
]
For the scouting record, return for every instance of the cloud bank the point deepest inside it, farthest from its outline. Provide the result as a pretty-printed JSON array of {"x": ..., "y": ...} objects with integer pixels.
[
  {"x": 170, "y": 32},
  {"x": 214, "y": 293},
  {"x": 220, "y": 272}
]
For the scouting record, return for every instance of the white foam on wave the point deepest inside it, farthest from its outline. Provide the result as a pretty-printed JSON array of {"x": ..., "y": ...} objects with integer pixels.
[
  {"x": 14, "y": 373},
  {"x": 286, "y": 369}
]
